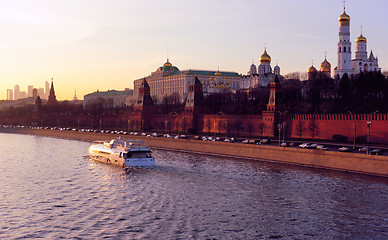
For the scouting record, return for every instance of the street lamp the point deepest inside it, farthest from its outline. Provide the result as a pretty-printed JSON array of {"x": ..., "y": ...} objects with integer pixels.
[{"x": 368, "y": 137}]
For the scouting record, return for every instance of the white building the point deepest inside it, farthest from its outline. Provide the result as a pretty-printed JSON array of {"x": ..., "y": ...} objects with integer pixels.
[
  {"x": 168, "y": 80},
  {"x": 9, "y": 94},
  {"x": 262, "y": 75},
  {"x": 108, "y": 99},
  {"x": 361, "y": 62}
]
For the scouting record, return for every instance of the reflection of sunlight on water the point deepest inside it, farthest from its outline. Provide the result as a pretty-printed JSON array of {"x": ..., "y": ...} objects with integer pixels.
[{"x": 50, "y": 190}]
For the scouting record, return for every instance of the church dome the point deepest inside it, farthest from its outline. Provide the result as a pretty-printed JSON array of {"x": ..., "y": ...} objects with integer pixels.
[
  {"x": 265, "y": 58},
  {"x": 276, "y": 70},
  {"x": 344, "y": 17},
  {"x": 311, "y": 69},
  {"x": 325, "y": 66},
  {"x": 361, "y": 39},
  {"x": 167, "y": 67}
]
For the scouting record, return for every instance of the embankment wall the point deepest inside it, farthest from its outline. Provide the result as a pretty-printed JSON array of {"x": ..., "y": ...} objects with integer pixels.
[{"x": 349, "y": 162}]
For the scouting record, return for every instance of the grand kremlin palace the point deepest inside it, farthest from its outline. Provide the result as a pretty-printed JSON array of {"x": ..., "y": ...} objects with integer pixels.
[{"x": 168, "y": 79}]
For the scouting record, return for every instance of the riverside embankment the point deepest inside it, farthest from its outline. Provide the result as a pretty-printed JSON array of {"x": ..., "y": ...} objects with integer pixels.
[{"x": 348, "y": 162}]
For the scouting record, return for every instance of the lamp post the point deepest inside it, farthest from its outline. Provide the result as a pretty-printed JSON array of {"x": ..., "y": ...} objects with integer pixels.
[
  {"x": 279, "y": 129},
  {"x": 368, "y": 137}
]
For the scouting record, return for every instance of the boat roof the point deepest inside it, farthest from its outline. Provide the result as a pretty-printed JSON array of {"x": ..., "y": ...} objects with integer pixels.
[{"x": 128, "y": 144}]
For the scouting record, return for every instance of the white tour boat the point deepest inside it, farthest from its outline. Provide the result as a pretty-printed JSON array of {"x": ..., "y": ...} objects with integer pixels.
[{"x": 122, "y": 152}]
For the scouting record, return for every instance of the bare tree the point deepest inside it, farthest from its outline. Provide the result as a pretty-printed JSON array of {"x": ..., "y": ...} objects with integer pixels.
[
  {"x": 300, "y": 128},
  {"x": 313, "y": 128}
]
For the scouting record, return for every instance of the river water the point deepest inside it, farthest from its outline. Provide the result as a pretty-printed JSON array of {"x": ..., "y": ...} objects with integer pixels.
[{"x": 49, "y": 189}]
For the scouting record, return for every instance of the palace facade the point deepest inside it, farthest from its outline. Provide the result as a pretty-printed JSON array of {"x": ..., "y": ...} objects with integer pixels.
[{"x": 168, "y": 80}]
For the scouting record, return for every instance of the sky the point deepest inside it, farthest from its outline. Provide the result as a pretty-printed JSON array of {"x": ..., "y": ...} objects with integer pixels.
[{"x": 89, "y": 45}]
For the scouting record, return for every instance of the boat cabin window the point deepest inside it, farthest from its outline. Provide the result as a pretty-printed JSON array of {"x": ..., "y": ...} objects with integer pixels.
[{"x": 148, "y": 155}]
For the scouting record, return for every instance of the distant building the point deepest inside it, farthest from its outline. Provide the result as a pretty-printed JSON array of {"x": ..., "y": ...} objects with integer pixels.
[
  {"x": 325, "y": 69},
  {"x": 29, "y": 90},
  {"x": 108, "y": 99},
  {"x": 262, "y": 75},
  {"x": 52, "y": 99},
  {"x": 361, "y": 63},
  {"x": 16, "y": 92},
  {"x": 46, "y": 92},
  {"x": 168, "y": 80},
  {"x": 35, "y": 94},
  {"x": 9, "y": 94}
]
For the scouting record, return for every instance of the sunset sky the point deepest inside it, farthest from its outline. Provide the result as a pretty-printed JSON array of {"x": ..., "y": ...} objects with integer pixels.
[{"x": 87, "y": 45}]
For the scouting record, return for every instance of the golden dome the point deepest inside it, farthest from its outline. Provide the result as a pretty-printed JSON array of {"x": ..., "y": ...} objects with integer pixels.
[
  {"x": 325, "y": 66},
  {"x": 361, "y": 39},
  {"x": 167, "y": 64},
  {"x": 344, "y": 17},
  {"x": 265, "y": 57},
  {"x": 218, "y": 73},
  {"x": 311, "y": 69}
]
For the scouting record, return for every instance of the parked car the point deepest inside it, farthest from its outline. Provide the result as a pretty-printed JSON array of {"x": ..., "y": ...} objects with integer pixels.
[
  {"x": 376, "y": 151},
  {"x": 284, "y": 144},
  {"x": 345, "y": 149},
  {"x": 254, "y": 141},
  {"x": 246, "y": 141},
  {"x": 265, "y": 141},
  {"x": 305, "y": 145},
  {"x": 323, "y": 147},
  {"x": 197, "y": 138},
  {"x": 363, "y": 149},
  {"x": 230, "y": 140},
  {"x": 314, "y": 145}
]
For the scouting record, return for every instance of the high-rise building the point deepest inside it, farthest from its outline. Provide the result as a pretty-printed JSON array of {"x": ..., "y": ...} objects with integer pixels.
[
  {"x": 16, "y": 92},
  {"x": 9, "y": 94},
  {"x": 29, "y": 91},
  {"x": 47, "y": 91},
  {"x": 34, "y": 93}
]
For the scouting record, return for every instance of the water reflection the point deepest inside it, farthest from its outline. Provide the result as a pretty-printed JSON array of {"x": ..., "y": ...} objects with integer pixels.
[{"x": 49, "y": 190}]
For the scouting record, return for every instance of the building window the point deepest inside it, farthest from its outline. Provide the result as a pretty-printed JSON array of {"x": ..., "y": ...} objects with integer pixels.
[{"x": 344, "y": 49}]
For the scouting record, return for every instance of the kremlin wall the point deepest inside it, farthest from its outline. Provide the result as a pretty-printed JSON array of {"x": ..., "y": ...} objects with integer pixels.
[{"x": 193, "y": 84}]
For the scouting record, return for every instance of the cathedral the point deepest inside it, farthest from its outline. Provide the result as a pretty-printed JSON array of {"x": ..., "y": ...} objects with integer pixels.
[
  {"x": 361, "y": 63},
  {"x": 262, "y": 75}
]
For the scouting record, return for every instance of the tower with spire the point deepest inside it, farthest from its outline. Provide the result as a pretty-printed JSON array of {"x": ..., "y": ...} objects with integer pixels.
[
  {"x": 52, "y": 99},
  {"x": 344, "y": 49}
]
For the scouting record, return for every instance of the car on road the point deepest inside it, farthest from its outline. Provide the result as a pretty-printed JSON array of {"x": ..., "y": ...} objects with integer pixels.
[
  {"x": 246, "y": 141},
  {"x": 230, "y": 140},
  {"x": 254, "y": 141},
  {"x": 376, "y": 151},
  {"x": 285, "y": 144},
  {"x": 345, "y": 149},
  {"x": 265, "y": 141},
  {"x": 314, "y": 145},
  {"x": 363, "y": 149},
  {"x": 323, "y": 147},
  {"x": 305, "y": 145}
]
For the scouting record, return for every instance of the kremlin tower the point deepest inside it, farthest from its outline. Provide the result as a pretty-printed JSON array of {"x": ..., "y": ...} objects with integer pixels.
[
  {"x": 52, "y": 99},
  {"x": 344, "y": 47}
]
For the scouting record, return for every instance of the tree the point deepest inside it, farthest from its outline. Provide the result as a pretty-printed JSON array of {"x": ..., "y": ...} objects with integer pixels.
[
  {"x": 313, "y": 128},
  {"x": 300, "y": 128},
  {"x": 260, "y": 128},
  {"x": 345, "y": 91}
]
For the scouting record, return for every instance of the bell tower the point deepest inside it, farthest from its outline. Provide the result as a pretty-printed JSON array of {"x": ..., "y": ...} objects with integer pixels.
[{"x": 344, "y": 47}]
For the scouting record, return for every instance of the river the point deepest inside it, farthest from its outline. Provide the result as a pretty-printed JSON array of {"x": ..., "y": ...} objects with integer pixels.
[{"x": 49, "y": 189}]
